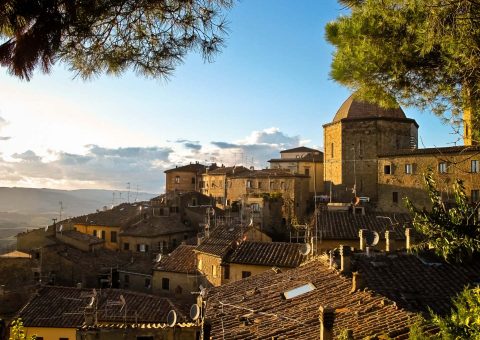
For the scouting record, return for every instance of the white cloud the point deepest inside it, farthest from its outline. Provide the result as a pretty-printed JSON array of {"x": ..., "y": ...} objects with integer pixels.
[{"x": 112, "y": 168}]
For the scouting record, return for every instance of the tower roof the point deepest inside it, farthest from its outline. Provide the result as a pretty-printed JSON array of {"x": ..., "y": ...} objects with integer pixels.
[{"x": 354, "y": 108}]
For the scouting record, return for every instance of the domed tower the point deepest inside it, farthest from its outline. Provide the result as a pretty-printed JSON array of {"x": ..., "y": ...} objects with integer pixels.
[{"x": 359, "y": 132}]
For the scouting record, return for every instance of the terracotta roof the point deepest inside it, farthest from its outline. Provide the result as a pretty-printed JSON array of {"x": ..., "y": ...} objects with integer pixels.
[
  {"x": 63, "y": 307},
  {"x": 119, "y": 216},
  {"x": 16, "y": 255},
  {"x": 255, "y": 308},
  {"x": 229, "y": 170},
  {"x": 155, "y": 226},
  {"x": 87, "y": 238},
  {"x": 333, "y": 225},
  {"x": 354, "y": 108},
  {"x": 433, "y": 151},
  {"x": 416, "y": 283},
  {"x": 268, "y": 173},
  {"x": 300, "y": 149},
  {"x": 220, "y": 241},
  {"x": 195, "y": 167},
  {"x": 273, "y": 254},
  {"x": 181, "y": 260}
]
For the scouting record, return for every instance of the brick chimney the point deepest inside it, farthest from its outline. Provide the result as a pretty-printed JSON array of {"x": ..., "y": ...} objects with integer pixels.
[
  {"x": 361, "y": 234},
  {"x": 410, "y": 238},
  {"x": 390, "y": 241},
  {"x": 345, "y": 258},
  {"x": 357, "y": 282},
  {"x": 326, "y": 318}
]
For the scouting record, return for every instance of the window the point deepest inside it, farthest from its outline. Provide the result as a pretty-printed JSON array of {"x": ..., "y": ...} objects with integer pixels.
[
  {"x": 214, "y": 271},
  {"x": 147, "y": 283},
  {"x": 293, "y": 293},
  {"x": 174, "y": 243},
  {"x": 39, "y": 337},
  {"x": 249, "y": 184},
  {"x": 255, "y": 207},
  {"x": 62, "y": 338},
  {"x": 331, "y": 150},
  {"x": 408, "y": 169},
  {"x": 104, "y": 235},
  {"x": 272, "y": 185},
  {"x": 226, "y": 272},
  {"x": 126, "y": 246},
  {"x": 126, "y": 281},
  {"x": 193, "y": 180},
  {"x": 475, "y": 166},
  {"x": 177, "y": 179},
  {"x": 259, "y": 184},
  {"x": 387, "y": 169},
  {"x": 442, "y": 167},
  {"x": 307, "y": 171},
  {"x": 282, "y": 185},
  {"x": 475, "y": 194},
  {"x": 200, "y": 264},
  {"x": 142, "y": 248},
  {"x": 165, "y": 283},
  {"x": 246, "y": 274},
  {"x": 395, "y": 197},
  {"x": 95, "y": 233},
  {"x": 145, "y": 337},
  {"x": 113, "y": 237}
]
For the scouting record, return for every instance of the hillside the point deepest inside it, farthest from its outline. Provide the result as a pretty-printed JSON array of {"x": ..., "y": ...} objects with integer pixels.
[{"x": 22, "y": 208}]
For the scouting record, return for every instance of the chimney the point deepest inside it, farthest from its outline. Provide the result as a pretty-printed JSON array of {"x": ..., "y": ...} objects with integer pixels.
[
  {"x": 410, "y": 238},
  {"x": 357, "y": 282},
  {"x": 345, "y": 259},
  {"x": 362, "y": 234},
  {"x": 326, "y": 318},
  {"x": 390, "y": 241},
  {"x": 89, "y": 316}
]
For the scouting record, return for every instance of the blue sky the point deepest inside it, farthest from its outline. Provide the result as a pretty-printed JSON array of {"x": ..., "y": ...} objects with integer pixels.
[{"x": 268, "y": 90}]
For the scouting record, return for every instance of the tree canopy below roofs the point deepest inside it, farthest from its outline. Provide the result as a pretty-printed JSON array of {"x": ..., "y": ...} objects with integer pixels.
[
  {"x": 452, "y": 231},
  {"x": 151, "y": 37},
  {"x": 423, "y": 53}
]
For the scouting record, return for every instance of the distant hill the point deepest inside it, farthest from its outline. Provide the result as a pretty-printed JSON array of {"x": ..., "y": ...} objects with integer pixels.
[{"x": 22, "y": 208}]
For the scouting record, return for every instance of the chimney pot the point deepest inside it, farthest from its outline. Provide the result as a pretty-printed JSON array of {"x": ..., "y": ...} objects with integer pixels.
[
  {"x": 410, "y": 238},
  {"x": 357, "y": 282},
  {"x": 345, "y": 258},
  {"x": 390, "y": 241},
  {"x": 362, "y": 234},
  {"x": 326, "y": 318}
]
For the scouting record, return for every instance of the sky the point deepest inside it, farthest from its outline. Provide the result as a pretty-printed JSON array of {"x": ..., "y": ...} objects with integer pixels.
[{"x": 267, "y": 91}]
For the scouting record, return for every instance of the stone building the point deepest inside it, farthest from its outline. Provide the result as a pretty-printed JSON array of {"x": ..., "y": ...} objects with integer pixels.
[
  {"x": 185, "y": 178},
  {"x": 358, "y": 134},
  {"x": 214, "y": 182},
  {"x": 401, "y": 175},
  {"x": 304, "y": 161}
]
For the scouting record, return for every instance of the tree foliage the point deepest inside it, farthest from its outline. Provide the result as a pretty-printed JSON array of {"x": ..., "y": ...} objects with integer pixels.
[
  {"x": 453, "y": 232},
  {"x": 93, "y": 36},
  {"x": 17, "y": 332},
  {"x": 424, "y": 53}
]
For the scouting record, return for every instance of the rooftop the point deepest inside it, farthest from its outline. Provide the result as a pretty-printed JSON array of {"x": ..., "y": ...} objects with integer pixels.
[
  {"x": 119, "y": 216},
  {"x": 354, "y": 108},
  {"x": 181, "y": 260},
  {"x": 156, "y": 226},
  {"x": 15, "y": 255},
  {"x": 256, "y": 308},
  {"x": 64, "y": 307},
  {"x": 334, "y": 225},
  {"x": 82, "y": 237},
  {"x": 229, "y": 170},
  {"x": 306, "y": 158},
  {"x": 273, "y": 254},
  {"x": 300, "y": 149},
  {"x": 220, "y": 241},
  {"x": 192, "y": 167}
]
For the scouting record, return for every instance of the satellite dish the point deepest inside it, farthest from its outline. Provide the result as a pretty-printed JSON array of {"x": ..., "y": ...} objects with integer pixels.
[
  {"x": 158, "y": 258},
  {"x": 194, "y": 312},
  {"x": 172, "y": 318},
  {"x": 92, "y": 301},
  {"x": 61, "y": 227},
  {"x": 46, "y": 228},
  {"x": 372, "y": 238},
  {"x": 356, "y": 201},
  {"x": 251, "y": 222},
  {"x": 305, "y": 249}
]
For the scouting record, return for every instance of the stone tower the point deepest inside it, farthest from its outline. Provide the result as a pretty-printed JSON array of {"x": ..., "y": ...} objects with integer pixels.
[{"x": 359, "y": 132}]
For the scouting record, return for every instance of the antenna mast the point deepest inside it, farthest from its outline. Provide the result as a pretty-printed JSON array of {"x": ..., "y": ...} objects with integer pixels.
[
  {"x": 61, "y": 210},
  {"x": 128, "y": 192}
]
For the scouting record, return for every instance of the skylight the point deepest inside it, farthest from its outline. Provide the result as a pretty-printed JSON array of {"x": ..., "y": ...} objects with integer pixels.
[{"x": 293, "y": 293}]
